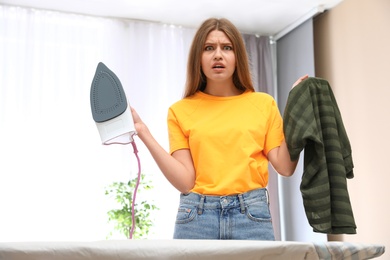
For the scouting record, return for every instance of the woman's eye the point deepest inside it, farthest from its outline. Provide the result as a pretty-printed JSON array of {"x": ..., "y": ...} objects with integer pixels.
[
  {"x": 228, "y": 48},
  {"x": 208, "y": 48}
]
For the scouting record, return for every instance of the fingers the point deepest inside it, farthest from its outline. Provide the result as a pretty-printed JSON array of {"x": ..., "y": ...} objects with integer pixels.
[
  {"x": 135, "y": 115},
  {"x": 300, "y": 80},
  {"x": 304, "y": 77}
]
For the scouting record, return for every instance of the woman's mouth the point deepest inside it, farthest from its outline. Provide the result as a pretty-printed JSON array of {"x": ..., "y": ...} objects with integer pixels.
[{"x": 218, "y": 66}]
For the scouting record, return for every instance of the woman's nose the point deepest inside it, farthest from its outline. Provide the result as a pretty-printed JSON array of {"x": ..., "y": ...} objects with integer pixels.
[{"x": 218, "y": 54}]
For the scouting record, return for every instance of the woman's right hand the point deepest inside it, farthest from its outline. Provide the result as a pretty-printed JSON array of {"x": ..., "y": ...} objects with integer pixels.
[
  {"x": 139, "y": 125},
  {"x": 178, "y": 169}
]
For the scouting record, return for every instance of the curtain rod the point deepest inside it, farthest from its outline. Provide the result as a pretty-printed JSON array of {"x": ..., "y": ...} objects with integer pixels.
[{"x": 313, "y": 12}]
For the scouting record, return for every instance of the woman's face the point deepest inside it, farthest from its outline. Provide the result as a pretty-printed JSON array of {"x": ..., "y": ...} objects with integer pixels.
[{"x": 218, "y": 57}]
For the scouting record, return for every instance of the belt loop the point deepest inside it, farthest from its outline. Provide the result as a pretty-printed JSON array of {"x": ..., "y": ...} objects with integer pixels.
[
  {"x": 242, "y": 205},
  {"x": 267, "y": 194},
  {"x": 200, "y": 207}
]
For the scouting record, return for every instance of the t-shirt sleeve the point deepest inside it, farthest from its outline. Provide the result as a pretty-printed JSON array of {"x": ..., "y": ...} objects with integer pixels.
[
  {"x": 177, "y": 139},
  {"x": 274, "y": 136}
]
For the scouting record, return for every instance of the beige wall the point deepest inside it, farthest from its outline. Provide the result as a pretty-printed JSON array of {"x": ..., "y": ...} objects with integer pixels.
[{"x": 352, "y": 51}]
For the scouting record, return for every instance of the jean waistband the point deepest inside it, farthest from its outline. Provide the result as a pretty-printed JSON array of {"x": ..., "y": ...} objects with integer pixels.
[{"x": 213, "y": 202}]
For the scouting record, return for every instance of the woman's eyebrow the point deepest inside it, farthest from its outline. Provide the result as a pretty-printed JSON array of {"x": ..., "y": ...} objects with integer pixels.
[{"x": 215, "y": 43}]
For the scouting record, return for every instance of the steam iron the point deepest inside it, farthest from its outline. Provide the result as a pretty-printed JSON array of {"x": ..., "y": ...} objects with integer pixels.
[{"x": 110, "y": 109}]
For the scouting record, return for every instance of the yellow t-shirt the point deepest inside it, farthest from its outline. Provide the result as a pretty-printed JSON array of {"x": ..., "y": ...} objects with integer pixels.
[{"x": 229, "y": 138}]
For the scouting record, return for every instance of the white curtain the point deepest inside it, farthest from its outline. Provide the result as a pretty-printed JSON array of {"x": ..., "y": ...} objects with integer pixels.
[
  {"x": 53, "y": 168},
  {"x": 260, "y": 58}
]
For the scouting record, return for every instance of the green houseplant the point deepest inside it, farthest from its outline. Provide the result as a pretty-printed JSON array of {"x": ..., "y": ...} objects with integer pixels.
[{"x": 121, "y": 217}]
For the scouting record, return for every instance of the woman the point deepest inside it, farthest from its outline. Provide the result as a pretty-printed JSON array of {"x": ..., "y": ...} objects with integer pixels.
[{"x": 222, "y": 135}]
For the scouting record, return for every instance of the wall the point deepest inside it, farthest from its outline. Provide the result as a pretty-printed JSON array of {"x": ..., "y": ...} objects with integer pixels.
[
  {"x": 352, "y": 51},
  {"x": 295, "y": 58}
]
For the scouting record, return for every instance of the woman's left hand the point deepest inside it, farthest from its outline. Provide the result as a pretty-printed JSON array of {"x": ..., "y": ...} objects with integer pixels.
[{"x": 300, "y": 80}]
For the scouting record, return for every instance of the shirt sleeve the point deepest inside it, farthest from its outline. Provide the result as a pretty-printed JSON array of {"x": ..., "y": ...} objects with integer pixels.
[
  {"x": 274, "y": 136},
  {"x": 177, "y": 139}
]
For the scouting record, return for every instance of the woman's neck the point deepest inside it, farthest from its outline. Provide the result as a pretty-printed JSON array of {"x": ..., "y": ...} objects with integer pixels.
[{"x": 224, "y": 89}]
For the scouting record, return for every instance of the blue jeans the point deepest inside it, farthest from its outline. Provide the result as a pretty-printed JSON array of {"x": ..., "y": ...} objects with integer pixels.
[{"x": 242, "y": 217}]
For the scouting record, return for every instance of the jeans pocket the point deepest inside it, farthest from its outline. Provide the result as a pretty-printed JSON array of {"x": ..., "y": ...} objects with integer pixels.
[
  {"x": 258, "y": 211},
  {"x": 185, "y": 215}
]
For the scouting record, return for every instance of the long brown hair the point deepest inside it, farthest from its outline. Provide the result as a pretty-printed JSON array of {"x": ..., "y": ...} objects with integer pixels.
[{"x": 196, "y": 80}]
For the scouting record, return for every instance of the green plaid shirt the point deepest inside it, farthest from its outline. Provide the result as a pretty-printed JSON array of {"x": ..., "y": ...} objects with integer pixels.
[{"x": 312, "y": 121}]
